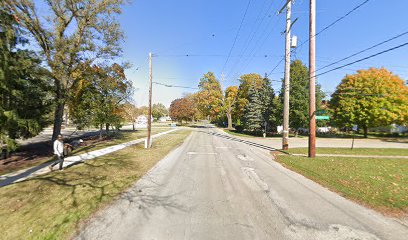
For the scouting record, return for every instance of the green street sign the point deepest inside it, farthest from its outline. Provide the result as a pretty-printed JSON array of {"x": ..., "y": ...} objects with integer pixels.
[
  {"x": 320, "y": 112},
  {"x": 322, "y": 117}
]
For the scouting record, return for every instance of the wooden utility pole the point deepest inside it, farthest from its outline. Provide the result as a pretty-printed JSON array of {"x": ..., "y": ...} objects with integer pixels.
[
  {"x": 285, "y": 135},
  {"x": 149, "y": 117},
  {"x": 312, "y": 81}
]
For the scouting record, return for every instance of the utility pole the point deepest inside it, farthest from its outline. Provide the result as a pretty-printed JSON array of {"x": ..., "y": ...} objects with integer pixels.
[
  {"x": 312, "y": 81},
  {"x": 285, "y": 136},
  {"x": 149, "y": 117}
]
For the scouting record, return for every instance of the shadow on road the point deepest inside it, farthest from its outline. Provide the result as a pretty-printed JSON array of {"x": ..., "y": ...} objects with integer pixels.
[{"x": 245, "y": 142}]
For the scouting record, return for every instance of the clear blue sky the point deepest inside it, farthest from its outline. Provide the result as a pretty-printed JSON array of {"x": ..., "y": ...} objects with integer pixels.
[{"x": 207, "y": 28}]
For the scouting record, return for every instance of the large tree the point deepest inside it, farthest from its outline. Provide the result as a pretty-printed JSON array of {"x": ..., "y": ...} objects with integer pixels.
[
  {"x": 370, "y": 98},
  {"x": 252, "y": 119},
  {"x": 72, "y": 32},
  {"x": 209, "y": 97},
  {"x": 267, "y": 103},
  {"x": 159, "y": 110},
  {"x": 230, "y": 99},
  {"x": 103, "y": 91},
  {"x": 299, "y": 96},
  {"x": 129, "y": 112},
  {"x": 246, "y": 82},
  {"x": 24, "y": 86},
  {"x": 182, "y": 109}
]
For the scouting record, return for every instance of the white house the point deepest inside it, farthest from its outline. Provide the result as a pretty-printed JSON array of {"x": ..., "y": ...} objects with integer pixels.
[
  {"x": 142, "y": 119},
  {"x": 165, "y": 119}
]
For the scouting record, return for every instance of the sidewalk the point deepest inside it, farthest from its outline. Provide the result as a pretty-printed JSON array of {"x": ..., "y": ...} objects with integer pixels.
[{"x": 24, "y": 174}]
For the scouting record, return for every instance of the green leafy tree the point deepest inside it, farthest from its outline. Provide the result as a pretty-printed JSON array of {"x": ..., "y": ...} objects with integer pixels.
[
  {"x": 299, "y": 96},
  {"x": 129, "y": 112},
  {"x": 159, "y": 110},
  {"x": 246, "y": 82},
  {"x": 24, "y": 86},
  {"x": 230, "y": 99},
  {"x": 69, "y": 34},
  {"x": 210, "y": 96},
  {"x": 370, "y": 98},
  {"x": 252, "y": 119},
  {"x": 268, "y": 108},
  {"x": 99, "y": 101}
]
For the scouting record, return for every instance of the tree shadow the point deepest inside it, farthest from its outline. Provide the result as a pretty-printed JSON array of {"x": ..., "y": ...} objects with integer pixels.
[
  {"x": 246, "y": 142},
  {"x": 13, "y": 178}
]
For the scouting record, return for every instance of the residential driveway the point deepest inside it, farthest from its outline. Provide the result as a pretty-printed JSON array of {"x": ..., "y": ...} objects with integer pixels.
[{"x": 214, "y": 187}]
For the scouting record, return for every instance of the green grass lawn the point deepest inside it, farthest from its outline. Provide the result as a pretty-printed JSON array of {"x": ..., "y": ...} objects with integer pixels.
[
  {"x": 381, "y": 184},
  {"x": 355, "y": 151},
  {"x": 116, "y": 138},
  {"x": 53, "y": 206}
]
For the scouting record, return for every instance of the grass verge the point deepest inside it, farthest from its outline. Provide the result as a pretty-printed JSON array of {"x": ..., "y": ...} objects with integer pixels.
[
  {"x": 381, "y": 184},
  {"x": 116, "y": 138},
  {"x": 355, "y": 151},
  {"x": 53, "y": 206}
]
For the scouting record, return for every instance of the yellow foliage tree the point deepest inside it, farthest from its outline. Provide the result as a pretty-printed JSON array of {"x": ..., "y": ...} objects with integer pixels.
[{"x": 370, "y": 98}]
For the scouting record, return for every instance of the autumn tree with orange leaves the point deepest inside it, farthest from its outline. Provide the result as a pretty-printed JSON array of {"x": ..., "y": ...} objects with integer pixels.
[
  {"x": 370, "y": 98},
  {"x": 183, "y": 109}
]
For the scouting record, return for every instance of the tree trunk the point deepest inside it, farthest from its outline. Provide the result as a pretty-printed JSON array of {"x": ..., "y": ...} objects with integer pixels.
[
  {"x": 133, "y": 126},
  {"x": 59, "y": 111},
  {"x": 100, "y": 131},
  {"x": 365, "y": 128},
  {"x": 107, "y": 127},
  {"x": 229, "y": 120}
]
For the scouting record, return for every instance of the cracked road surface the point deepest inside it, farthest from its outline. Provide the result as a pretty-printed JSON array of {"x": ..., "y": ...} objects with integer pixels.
[{"x": 213, "y": 187}]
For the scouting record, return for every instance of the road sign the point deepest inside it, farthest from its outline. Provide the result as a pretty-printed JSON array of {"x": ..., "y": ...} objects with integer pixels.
[
  {"x": 320, "y": 112},
  {"x": 322, "y": 117}
]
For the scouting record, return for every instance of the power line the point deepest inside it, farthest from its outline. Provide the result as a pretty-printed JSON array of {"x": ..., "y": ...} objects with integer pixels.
[
  {"x": 255, "y": 27},
  {"x": 336, "y": 21},
  {"x": 211, "y": 55},
  {"x": 363, "y": 59},
  {"x": 173, "y": 86},
  {"x": 367, "y": 49},
  {"x": 325, "y": 28},
  {"x": 277, "y": 65},
  {"x": 236, "y": 36},
  {"x": 259, "y": 44}
]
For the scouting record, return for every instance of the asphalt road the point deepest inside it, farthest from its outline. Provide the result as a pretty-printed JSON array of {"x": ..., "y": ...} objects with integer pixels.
[{"x": 213, "y": 187}]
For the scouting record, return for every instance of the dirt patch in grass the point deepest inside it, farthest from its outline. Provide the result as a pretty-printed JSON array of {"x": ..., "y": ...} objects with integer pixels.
[
  {"x": 53, "y": 206},
  {"x": 381, "y": 184}
]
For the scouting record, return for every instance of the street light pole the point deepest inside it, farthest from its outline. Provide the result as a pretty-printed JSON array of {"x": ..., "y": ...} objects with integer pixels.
[{"x": 312, "y": 81}]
